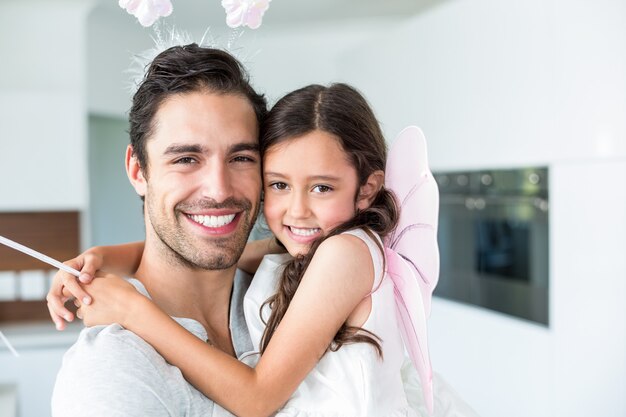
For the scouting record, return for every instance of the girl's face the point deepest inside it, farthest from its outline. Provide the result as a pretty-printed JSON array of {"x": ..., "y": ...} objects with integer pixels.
[{"x": 310, "y": 188}]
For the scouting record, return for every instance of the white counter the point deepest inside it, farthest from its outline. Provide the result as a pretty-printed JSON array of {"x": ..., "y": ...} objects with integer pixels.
[
  {"x": 8, "y": 401},
  {"x": 39, "y": 335}
]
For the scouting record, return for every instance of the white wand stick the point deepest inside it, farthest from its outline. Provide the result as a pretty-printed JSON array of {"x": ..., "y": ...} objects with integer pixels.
[
  {"x": 11, "y": 348},
  {"x": 38, "y": 255},
  {"x": 41, "y": 257}
]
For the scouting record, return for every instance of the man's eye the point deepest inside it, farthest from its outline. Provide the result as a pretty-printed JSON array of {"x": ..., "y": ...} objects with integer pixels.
[
  {"x": 322, "y": 189},
  {"x": 278, "y": 186},
  {"x": 244, "y": 158},
  {"x": 185, "y": 160}
]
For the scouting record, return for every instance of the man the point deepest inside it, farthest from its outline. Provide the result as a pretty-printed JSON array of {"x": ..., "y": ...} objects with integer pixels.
[{"x": 194, "y": 159}]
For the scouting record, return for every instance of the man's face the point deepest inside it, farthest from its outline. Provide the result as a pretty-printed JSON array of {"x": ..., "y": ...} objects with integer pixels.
[{"x": 203, "y": 182}]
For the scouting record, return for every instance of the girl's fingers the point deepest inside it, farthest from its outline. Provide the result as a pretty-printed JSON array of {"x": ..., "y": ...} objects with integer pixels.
[
  {"x": 64, "y": 287},
  {"x": 88, "y": 271},
  {"x": 71, "y": 288},
  {"x": 91, "y": 263},
  {"x": 56, "y": 306},
  {"x": 56, "y": 298},
  {"x": 58, "y": 321}
]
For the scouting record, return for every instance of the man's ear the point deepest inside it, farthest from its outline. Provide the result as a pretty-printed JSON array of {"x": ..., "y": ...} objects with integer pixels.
[
  {"x": 135, "y": 173},
  {"x": 369, "y": 190}
]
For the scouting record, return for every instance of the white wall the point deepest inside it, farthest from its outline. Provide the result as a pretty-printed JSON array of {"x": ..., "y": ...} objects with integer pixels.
[
  {"x": 112, "y": 200},
  {"x": 108, "y": 59},
  {"x": 589, "y": 287},
  {"x": 279, "y": 60},
  {"x": 42, "y": 110},
  {"x": 526, "y": 81},
  {"x": 289, "y": 57}
]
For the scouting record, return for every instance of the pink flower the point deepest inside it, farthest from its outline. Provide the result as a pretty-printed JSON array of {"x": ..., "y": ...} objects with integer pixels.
[
  {"x": 147, "y": 11},
  {"x": 245, "y": 12}
]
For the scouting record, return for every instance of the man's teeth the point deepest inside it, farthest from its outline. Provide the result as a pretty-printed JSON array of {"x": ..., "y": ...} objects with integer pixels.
[
  {"x": 303, "y": 232},
  {"x": 212, "y": 221}
]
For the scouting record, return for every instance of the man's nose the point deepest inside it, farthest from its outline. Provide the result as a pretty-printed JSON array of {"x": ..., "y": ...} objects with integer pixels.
[
  {"x": 299, "y": 206},
  {"x": 217, "y": 182}
]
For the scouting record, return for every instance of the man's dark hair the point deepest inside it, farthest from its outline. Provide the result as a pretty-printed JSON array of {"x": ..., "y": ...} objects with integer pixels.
[{"x": 185, "y": 69}]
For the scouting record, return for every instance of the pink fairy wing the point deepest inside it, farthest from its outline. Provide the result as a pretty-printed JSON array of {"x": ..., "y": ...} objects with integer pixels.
[
  {"x": 408, "y": 176},
  {"x": 412, "y": 320},
  {"x": 412, "y": 251}
]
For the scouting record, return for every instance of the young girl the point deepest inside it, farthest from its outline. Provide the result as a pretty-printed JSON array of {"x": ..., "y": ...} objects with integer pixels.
[{"x": 322, "y": 317}]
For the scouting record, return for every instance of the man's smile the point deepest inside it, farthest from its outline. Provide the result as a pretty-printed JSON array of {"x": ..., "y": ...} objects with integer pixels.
[{"x": 212, "y": 221}]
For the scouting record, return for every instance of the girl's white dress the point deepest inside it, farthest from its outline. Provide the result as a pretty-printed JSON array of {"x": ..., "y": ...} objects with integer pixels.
[{"x": 353, "y": 381}]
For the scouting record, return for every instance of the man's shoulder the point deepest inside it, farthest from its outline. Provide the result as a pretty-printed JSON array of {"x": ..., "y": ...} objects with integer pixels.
[
  {"x": 99, "y": 347},
  {"x": 111, "y": 371}
]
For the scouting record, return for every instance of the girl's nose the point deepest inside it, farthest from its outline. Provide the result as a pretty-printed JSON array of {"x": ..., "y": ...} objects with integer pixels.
[{"x": 298, "y": 206}]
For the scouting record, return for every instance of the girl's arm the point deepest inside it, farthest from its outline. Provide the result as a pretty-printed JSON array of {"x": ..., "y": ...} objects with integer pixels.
[
  {"x": 254, "y": 252},
  {"x": 119, "y": 259},
  {"x": 124, "y": 260},
  {"x": 339, "y": 277}
]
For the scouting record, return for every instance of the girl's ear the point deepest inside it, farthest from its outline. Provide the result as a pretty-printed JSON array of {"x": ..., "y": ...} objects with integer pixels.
[
  {"x": 135, "y": 173},
  {"x": 369, "y": 190}
]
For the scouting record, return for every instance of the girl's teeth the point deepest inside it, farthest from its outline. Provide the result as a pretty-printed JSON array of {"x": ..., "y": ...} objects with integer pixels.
[
  {"x": 303, "y": 232},
  {"x": 212, "y": 221}
]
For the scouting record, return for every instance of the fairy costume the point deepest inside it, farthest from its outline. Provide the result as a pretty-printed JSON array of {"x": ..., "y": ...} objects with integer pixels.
[{"x": 354, "y": 380}]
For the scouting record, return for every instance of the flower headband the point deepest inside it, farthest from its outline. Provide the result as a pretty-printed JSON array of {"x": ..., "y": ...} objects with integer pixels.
[{"x": 238, "y": 12}]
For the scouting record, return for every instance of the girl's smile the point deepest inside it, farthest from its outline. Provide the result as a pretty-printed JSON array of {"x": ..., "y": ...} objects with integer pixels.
[
  {"x": 310, "y": 188},
  {"x": 303, "y": 236}
]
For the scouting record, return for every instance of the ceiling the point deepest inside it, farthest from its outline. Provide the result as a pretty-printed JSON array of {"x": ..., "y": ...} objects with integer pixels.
[{"x": 203, "y": 13}]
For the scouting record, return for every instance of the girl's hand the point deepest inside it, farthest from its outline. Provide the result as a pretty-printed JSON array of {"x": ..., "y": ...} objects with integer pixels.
[
  {"x": 65, "y": 286},
  {"x": 115, "y": 301}
]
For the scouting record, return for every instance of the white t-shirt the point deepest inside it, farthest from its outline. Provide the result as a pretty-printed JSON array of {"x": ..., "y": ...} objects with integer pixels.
[{"x": 111, "y": 372}]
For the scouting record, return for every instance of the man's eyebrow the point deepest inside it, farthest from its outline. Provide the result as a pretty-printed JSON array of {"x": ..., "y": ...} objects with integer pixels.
[
  {"x": 330, "y": 178},
  {"x": 176, "y": 149},
  {"x": 245, "y": 146},
  {"x": 179, "y": 148}
]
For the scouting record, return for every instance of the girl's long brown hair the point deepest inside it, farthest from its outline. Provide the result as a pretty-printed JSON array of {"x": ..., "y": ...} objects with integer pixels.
[{"x": 343, "y": 112}]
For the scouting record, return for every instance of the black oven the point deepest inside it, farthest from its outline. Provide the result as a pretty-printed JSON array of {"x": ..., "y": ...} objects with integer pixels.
[{"x": 494, "y": 240}]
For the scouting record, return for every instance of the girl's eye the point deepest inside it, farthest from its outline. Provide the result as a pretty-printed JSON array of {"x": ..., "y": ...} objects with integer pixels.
[
  {"x": 322, "y": 189},
  {"x": 278, "y": 186}
]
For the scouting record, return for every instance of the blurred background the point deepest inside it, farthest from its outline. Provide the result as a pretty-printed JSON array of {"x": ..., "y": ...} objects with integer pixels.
[{"x": 523, "y": 105}]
